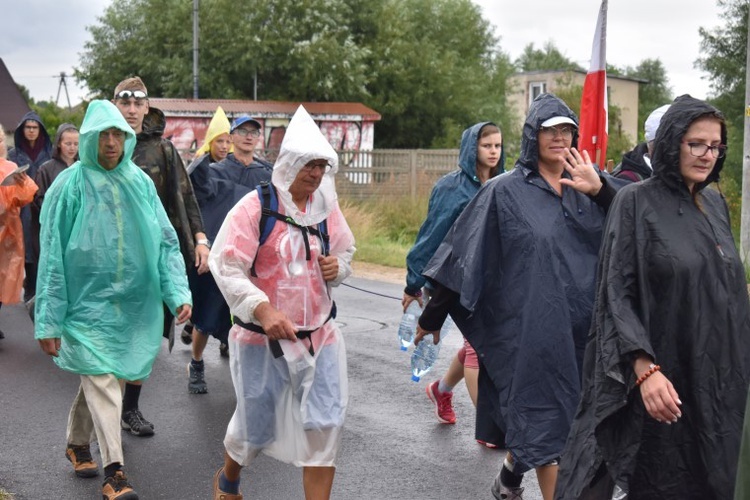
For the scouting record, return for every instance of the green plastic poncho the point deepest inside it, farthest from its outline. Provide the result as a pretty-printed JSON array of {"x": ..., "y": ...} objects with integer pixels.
[{"x": 109, "y": 257}]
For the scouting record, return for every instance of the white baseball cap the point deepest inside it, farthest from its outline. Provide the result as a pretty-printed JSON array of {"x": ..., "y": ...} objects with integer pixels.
[
  {"x": 557, "y": 120},
  {"x": 652, "y": 122}
]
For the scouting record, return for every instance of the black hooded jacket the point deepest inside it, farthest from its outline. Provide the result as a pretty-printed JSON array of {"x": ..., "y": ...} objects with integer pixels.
[
  {"x": 633, "y": 166},
  {"x": 520, "y": 263},
  {"x": 671, "y": 284},
  {"x": 160, "y": 160}
]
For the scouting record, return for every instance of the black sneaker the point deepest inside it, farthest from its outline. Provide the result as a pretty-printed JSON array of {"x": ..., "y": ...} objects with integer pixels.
[
  {"x": 187, "y": 334},
  {"x": 30, "y": 304},
  {"x": 117, "y": 487},
  {"x": 224, "y": 350},
  {"x": 196, "y": 379},
  {"x": 134, "y": 422},
  {"x": 2, "y": 335}
]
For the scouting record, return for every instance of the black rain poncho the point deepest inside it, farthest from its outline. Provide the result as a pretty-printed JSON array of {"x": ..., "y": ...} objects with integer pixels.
[
  {"x": 671, "y": 284},
  {"x": 523, "y": 260}
]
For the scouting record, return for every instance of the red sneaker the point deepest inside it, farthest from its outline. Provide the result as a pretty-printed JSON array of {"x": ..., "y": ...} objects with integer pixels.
[{"x": 443, "y": 403}]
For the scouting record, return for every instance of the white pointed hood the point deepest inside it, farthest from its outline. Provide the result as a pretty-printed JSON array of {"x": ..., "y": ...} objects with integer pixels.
[{"x": 302, "y": 143}]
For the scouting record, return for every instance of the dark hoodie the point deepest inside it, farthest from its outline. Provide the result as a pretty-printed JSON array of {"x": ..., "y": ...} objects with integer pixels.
[
  {"x": 21, "y": 155},
  {"x": 449, "y": 197},
  {"x": 633, "y": 166},
  {"x": 46, "y": 174},
  {"x": 160, "y": 160},
  {"x": 521, "y": 261},
  {"x": 671, "y": 284}
]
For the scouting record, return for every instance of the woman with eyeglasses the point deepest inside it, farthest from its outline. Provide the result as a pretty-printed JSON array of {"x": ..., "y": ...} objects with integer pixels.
[
  {"x": 516, "y": 273},
  {"x": 668, "y": 361}
]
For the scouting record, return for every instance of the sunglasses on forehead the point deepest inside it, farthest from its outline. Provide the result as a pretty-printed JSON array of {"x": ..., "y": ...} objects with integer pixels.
[{"x": 127, "y": 94}]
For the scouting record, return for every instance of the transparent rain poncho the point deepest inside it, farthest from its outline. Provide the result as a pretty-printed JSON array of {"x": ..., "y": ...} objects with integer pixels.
[
  {"x": 293, "y": 407},
  {"x": 109, "y": 258}
]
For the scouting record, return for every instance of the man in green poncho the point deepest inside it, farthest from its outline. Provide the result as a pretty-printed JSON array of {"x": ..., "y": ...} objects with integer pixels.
[{"x": 109, "y": 257}]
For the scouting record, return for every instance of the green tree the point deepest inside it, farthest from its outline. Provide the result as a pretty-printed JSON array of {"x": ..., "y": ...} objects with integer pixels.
[
  {"x": 431, "y": 78},
  {"x": 294, "y": 50},
  {"x": 53, "y": 115},
  {"x": 547, "y": 58},
  {"x": 724, "y": 59},
  {"x": 654, "y": 93},
  {"x": 428, "y": 78}
]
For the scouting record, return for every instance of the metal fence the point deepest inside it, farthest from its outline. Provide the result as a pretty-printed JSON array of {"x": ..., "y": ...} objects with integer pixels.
[{"x": 390, "y": 172}]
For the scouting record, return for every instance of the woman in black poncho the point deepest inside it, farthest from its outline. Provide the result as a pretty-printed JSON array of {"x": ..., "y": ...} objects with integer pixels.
[{"x": 668, "y": 362}]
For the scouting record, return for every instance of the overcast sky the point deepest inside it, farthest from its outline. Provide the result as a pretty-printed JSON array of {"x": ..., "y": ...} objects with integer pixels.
[{"x": 40, "y": 38}]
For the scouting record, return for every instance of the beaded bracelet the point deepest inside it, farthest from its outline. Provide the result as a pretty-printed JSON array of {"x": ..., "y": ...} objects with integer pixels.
[{"x": 652, "y": 368}]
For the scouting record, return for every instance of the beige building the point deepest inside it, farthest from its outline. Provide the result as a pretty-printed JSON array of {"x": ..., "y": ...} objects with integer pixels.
[{"x": 621, "y": 92}]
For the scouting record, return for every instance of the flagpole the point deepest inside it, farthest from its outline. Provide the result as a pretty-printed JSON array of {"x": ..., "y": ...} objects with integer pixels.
[{"x": 745, "y": 211}]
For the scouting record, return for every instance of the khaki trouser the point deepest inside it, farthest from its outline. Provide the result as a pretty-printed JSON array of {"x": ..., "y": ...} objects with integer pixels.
[{"x": 95, "y": 414}]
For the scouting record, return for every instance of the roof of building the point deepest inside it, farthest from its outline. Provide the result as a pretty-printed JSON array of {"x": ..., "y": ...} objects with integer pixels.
[
  {"x": 12, "y": 104},
  {"x": 580, "y": 71},
  {"x": 341, "y": 111}
]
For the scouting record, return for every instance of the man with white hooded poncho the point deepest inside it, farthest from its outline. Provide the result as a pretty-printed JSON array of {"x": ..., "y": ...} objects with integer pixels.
[{"x": 290, "y": 407}]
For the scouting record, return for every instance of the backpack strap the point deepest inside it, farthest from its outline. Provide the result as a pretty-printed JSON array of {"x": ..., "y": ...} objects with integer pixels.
[{"x": 269, "y": 216}]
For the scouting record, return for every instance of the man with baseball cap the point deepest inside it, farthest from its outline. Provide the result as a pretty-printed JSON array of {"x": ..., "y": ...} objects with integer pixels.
[
  {"x": 636, "y": 164},
  {"x": 242, "y": 166},
  {"x": 159, "y": 159}
]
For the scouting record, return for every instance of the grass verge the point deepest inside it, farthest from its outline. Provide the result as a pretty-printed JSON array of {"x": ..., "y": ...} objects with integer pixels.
[{"x": 384, "y": 227}]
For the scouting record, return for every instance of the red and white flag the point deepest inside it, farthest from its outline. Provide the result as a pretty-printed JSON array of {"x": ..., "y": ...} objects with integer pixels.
[{"x": 592, "y": 133}]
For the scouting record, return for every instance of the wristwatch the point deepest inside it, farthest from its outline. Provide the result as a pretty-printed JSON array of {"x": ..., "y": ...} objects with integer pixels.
[{"x": 203, "y": 242}]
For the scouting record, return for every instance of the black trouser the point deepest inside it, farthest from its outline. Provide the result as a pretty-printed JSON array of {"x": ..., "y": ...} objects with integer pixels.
[{"x": 29, "y": 281}]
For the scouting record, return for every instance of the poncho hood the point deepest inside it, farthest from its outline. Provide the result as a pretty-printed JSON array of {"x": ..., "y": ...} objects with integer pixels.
[
  {"x": 543, "y": 108},
  {"x": 154, "y": 123},
  {"x": 467, "y": 156},
  {"x": 673, "y": 126},
  {"x": 102, "y": 115},
  {"x": 219, "y": 125},
  {"x": 304, "y": 142},
  {"x": 64, "y": 127}
]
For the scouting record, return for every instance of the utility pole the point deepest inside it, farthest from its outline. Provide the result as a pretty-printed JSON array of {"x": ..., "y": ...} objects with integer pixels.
[
  {"x": 62, "y": 84},
  {"x": 195, "y": 48},
  {"x": 745, "y": 217}
]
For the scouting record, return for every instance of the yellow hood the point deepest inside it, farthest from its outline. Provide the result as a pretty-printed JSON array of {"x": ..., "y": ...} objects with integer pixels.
[{"x": 219, "y": 125}]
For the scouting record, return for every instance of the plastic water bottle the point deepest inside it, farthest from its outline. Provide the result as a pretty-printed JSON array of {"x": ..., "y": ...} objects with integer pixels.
[
  {"x": 408, "y": 326},
  {"x": 425, "y": 354}
]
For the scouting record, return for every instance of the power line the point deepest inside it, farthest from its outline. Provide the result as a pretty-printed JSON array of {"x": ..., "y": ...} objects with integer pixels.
[{"x": 62, "y": 84}]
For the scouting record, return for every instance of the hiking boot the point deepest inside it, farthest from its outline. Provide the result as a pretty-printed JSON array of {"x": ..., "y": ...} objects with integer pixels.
[
  {"x": 221, "y": 495},
  {"x": 224, "y": 350},
  {"x": 502, "y": 492},
  {"x": 443, "y": 403},
  {"x": 80, "y": 457},
  {"x": 187, "y": 334},
  {"x": 117, "y": 487},
  {"x": 134, "y": 422},
  {"x": 196, "y": 379}
]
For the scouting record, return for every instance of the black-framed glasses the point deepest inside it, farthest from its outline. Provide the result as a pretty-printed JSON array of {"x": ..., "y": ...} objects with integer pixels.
[
  {"x": 566, "y": 132},
  {"x": 127, "y": 94},
  {"x": 252, "y": 132},
  {"x": 323, "y": 167},
  {"x": 699, "y": 150}
]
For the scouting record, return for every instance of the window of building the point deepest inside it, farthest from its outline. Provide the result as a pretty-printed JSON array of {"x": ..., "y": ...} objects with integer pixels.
[{"x": 536, "y": 89}]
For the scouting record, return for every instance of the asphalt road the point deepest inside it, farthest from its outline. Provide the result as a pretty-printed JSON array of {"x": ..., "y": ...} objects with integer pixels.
[{"x": 393, "y": 448}]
